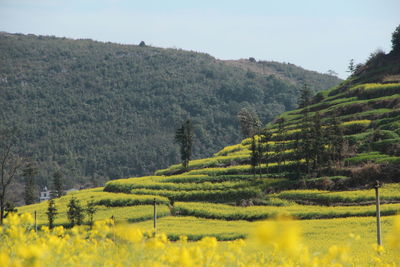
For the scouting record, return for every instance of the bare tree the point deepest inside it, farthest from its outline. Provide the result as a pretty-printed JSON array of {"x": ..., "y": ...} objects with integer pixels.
[
  {"x": 250, "y": 123},
  {"x": 11, "y": 165}
]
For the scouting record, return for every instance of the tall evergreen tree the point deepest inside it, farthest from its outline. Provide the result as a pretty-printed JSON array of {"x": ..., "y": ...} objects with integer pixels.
[
  {"x": 305, "y": 150},
  {"x": 280, "y": 143},
  {"x": 29, "y": 173},
  {"x": 317, "y": 142},
  {"x": 184, "y": 137},
  {"x": 91, "y": 210},
  {"x": 51, "y": 212},
  {"x": 75, "y": 212},
  {"x": 335, "y": 139},
  {"x": 254, "y": 154},
  {"x": 58, "y": 184},
  {"x": 305, "y": 96}
]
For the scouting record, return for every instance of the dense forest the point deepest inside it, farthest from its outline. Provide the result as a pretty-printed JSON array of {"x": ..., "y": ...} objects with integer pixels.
[{"x": 100, "y": 111}]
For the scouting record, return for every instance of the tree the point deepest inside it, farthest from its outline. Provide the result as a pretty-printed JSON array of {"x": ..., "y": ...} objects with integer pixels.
[
  {"x": 250, "y": 123},
  {"x": 396, "y": 41},
  {"x": 142, "y": 44},
  {"x": 51, "y": 212},
  {"x": 351, "y": 68},
  {"x": 91, "y": 210},
  {"x": 58, "y": 184},
  {"x": 280, "y": 144},
  {"x": 305, "y": 96},
  {"x": 184, "y": 137},
  {"x": 29, "y": 173},
  {"x": 254, "y": 154},
  {"x": 305, "y": 143},
  {"x": 332, "y": 73},
  {"x": 75, "y": 212},
  {"x": 10, "y": 165},
  {"x": 335, "y": 139},
  {"x": 317, "y": 142}
]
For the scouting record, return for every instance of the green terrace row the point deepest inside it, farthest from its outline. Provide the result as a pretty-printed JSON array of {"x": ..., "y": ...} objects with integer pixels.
[
  {"x": 232, "y": 161},
  {"x": 373, "y": 114},
  {"x": 131, "y": 184},
  {"x": 253, "y": 213},
  {"x": 364, "y": 92},
  {"x": 388, "y": 193}
]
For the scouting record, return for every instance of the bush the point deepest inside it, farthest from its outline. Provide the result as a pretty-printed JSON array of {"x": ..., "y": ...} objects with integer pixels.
[{"x": 365, "y": 174}]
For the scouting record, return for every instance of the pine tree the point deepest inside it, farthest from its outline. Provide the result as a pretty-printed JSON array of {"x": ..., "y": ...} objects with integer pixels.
[
  {"x": 29, "y": 173},
  {"x": 335, "y": 139},
  {"x": 91, "y": 210},
  {"x": 184, "y": 137},
  {"x": 51, "y": 213},
  {"x": 317, "y": 142},
  {"x": 280, "y": 144},
  {"x": 58, "y": 184},
  {"x": 75, "y": 212},
  {"x": 305, "y": 96},
  {"x": 254, "y": 156},
  {"x": 264, "y": 148},
  {"x": 305, "y": 150}
]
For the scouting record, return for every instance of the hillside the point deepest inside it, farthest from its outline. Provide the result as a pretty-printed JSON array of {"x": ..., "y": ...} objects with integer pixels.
[
  {"x": 329, "y": 182},
  {"x": 101, "y": 111},
  {"x": 319, "y": 164}
]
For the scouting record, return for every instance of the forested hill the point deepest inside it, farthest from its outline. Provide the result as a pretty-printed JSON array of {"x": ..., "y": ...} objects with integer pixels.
[{"x": 103, "y": 110}]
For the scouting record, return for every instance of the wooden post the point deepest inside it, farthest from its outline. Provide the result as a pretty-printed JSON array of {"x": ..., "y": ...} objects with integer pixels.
[
  {"x": 155, "y": 214},
  {"x": 35, "y": 222},
  {"x": 378, "y": 215}
]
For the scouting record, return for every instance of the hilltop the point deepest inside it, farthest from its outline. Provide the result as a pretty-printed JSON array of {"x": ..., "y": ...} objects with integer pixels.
[{"x": 102, "y": 111}]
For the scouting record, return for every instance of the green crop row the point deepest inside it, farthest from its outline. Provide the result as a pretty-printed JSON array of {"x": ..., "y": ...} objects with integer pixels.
[
  {"x": 245, "y": 169},
  {"x": 187, "y": 186},
  {"x": 253, "y": 213},
  {"x": 390, "y": 192},
  {"x": 115, "y": 200},
  {"x": 203, "y": 195},
  {"x": 207, "y": 162},
  {"x": 230, "y": 149},
  {"x": 373, "y": 157}
]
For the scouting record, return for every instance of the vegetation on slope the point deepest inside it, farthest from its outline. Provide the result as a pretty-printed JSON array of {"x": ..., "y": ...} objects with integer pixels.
[{"x": 102, "y": 111}]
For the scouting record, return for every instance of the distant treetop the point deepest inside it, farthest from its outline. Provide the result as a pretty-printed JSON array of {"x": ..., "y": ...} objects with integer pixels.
[{"x": 396, "y": 40}]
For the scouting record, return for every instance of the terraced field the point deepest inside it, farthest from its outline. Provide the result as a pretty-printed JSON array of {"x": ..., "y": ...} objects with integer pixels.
[{"x": 222, "y": 197}]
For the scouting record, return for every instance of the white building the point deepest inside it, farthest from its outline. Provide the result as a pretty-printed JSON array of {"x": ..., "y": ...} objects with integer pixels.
[{"x": 45, "y": 194}]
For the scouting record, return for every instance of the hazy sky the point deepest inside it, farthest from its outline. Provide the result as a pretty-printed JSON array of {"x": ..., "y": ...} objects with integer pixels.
[{"x": 315, "y": 34}]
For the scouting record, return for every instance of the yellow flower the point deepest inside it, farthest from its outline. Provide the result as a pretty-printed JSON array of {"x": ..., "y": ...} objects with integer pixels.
[{"x": 4, "y": 259}]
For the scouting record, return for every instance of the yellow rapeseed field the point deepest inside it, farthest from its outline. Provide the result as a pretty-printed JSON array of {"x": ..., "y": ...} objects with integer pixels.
[{"x": 273, "y": 243}]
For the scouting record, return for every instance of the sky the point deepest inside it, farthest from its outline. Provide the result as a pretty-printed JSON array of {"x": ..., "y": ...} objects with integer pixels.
[{"x": 317, "y": 35}]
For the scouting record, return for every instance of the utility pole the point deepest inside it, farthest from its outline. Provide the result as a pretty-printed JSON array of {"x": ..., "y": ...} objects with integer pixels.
[
  {"x": 155, "y": 214},
  {"x": 35, "y": 222},
  {"x": 378, "y": 214}
]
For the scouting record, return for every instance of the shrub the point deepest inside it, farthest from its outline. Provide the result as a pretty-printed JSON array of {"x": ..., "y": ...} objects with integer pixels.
[{"x": 365, "y": 174}]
